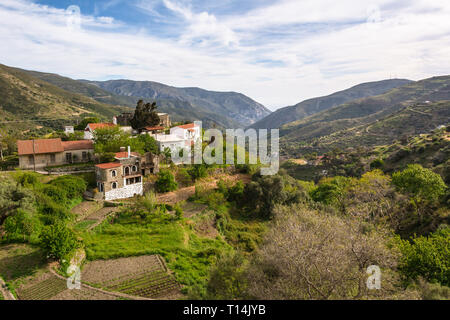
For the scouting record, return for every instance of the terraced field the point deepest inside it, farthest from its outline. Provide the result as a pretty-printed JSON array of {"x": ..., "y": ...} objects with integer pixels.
[
  {"x": 43, "y": 290},
  {"x": 144, "y": 276}
]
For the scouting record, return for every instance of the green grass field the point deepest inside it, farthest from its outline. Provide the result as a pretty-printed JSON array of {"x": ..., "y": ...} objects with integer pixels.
[{"x": 186, "y": 254}]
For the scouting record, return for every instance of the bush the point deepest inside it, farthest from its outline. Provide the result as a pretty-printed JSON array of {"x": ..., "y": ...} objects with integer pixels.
[
  {"x": 26, "y": 178},
  {"x": 73, "y": 186},
  {"x": 198, "y": 171},
  {"x": 420, "y": 182},
  {"x": 165, "y": 182},
  {"x": 58, "y": 241},
  {"x": 377, "y": 164},
  {"x": 427, "y": 257},
  {"x": 56, "y": 194}
]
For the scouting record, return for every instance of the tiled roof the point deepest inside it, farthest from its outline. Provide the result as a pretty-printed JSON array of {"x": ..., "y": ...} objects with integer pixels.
[
  {"x": 78, "y": 145},
  {"x": 95, "y": 126},
  {"x": 154, "y": 128},
  {"x": 124, "y": 154},
  {"x": 188, "y": 126},
  {"x": 39, "y": 146},
  {"x": 109, "y": 165}
]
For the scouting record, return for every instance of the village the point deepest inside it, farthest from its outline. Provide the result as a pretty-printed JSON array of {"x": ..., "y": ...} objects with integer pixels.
[{"x": 118, "y": 179}]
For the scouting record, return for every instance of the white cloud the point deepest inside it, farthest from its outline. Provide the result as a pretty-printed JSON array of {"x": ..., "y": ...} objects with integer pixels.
[{"x": 278, "y": 54}]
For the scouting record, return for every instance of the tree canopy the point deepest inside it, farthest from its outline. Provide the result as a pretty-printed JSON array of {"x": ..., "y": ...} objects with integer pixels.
[{"x": 145, "y": 115}]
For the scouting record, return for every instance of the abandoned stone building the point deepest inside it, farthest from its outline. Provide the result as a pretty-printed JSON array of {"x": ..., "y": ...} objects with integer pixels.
[
  {"x": 41, "y": 153},
  {"x": 123, "y": 178}
]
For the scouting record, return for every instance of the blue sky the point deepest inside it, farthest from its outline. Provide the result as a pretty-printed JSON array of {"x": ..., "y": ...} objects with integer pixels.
[{"x": 278, "y": 52}]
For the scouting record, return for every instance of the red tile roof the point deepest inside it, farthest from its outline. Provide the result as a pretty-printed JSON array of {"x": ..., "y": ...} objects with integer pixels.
[
  {"x": 154, "y": 128},
  {"x": 188, "y": 126},
  {"x": 78, "y": 145},
  {"x": 95, "y": 126},
  {"x": 109, "y": 165},
  {"x": 39, "y": 146},
  {"x": 124, "y": 154}
]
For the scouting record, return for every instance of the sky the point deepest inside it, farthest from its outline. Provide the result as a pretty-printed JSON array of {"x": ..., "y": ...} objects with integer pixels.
[{"x": 277, "y": 52}]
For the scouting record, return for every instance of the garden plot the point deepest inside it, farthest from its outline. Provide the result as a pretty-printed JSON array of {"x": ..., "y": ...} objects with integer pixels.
[
  {"x": 144, "y": 276},
  {"x": 85, "y": 209}
]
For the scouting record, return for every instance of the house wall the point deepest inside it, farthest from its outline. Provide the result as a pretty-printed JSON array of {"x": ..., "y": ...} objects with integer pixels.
[
  {"x": 42, "y": 160},
  {"x": 77, "y": 155},
  {"x": 105, "y": 176},
  {"x": 125, "y": 192},
  {"x": 88, "y": 135}
]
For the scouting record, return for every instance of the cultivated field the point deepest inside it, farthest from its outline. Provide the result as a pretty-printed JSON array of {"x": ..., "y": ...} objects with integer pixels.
[{"x": 144, "y": 276}]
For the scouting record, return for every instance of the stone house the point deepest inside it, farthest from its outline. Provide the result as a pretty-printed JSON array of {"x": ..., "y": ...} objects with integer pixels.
[
  {"x": 120, "y": 179},
  {"x": 41, "y": 153}
]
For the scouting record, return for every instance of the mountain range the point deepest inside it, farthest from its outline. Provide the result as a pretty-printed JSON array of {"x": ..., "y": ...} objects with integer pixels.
[
  {"x": 221, "y": 109},
  {"x": 312, "y": 106},
  {"x": 367, "y": 114}
]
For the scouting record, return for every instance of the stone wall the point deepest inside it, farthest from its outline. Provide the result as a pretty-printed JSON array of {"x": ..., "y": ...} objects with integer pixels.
[{"x": 125, "y": 192}]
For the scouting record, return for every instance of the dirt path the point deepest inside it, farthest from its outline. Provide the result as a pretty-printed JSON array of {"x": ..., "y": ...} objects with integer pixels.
[
  {"x": 184, "y": 193},
  {"x": 7, "y": 295}
]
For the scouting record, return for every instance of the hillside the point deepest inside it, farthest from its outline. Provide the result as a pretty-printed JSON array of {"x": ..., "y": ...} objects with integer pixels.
[
  {"x": 315, "y": 105},
  {"x": 355, "y": 115},
  {"x": 27, "y": 103},
  {"x": 230, "y": 108}
]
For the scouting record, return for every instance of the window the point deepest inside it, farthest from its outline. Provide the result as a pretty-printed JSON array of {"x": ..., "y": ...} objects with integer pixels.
[
  {"x": 127, "y": 170},
  {"x": 137, "y": 180},
  {"x": 84, "y": 155},
  {"x": 113, "y": 173},
  {"x": 52, "y": 158},
  {"x": 114, "y": 185},
  {"x": 31, "y": 159},
  {"x": 68, "y": 157},
  {"x": 134, "y": 169}
]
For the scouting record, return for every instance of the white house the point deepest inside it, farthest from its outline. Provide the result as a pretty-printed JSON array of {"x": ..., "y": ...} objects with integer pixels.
[
  {"x": 69, "y": 130},
  {"x": 189, "y": 131},
  {"x": 170, "y": 141}
]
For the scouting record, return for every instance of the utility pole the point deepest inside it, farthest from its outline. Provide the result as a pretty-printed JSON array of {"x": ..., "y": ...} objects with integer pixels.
[{"x": 34, "y": 158}]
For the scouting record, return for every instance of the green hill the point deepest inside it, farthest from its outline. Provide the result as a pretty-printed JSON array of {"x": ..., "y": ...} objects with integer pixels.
[
  {"x": 346, "y": 125},
  {"x": 28, "y": 103},
  {"x": 312, "y": 106}
]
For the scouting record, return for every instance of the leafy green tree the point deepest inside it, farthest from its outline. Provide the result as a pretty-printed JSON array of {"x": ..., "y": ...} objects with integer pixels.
[
  {"x": 21, "y": 226},
  {"x": 165, "y": 182},
  {"x": 331, "y": 191},
  {"x": 12, "y": 197},
  {"x": 82, "y": 125},
  {"x": 149, "y": 143},
  {"x": 265, "y": 192},
  {"x": 427, "y": 257},
  {"x": 420, "y": 182},
  {"x": 58, "y": 240},
  {"x": 145, "y": 115}
]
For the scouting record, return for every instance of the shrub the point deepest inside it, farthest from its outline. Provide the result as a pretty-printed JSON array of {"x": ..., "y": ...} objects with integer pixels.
[
  {"x": 198, "y": 171},
  {"x": 427, "y": 257},
  {"x": 377, "y": 164},
  {"x": 26, "y": 178},
  {"x": 73, "y": 186},
  {"x": 56, "y": 194},
  {"x": 58, "y": 241},
  {"x": 165, "y": 182},
  {"x": 420, "y": 182}
]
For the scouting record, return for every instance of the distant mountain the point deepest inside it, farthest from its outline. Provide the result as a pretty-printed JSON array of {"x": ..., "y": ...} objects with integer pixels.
[
  {"x": 228, "y": 109},
  {"x": 27, "y": 102},
  {"x": 312, "y": 106},
  {"x": 410, "y": 109}
]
